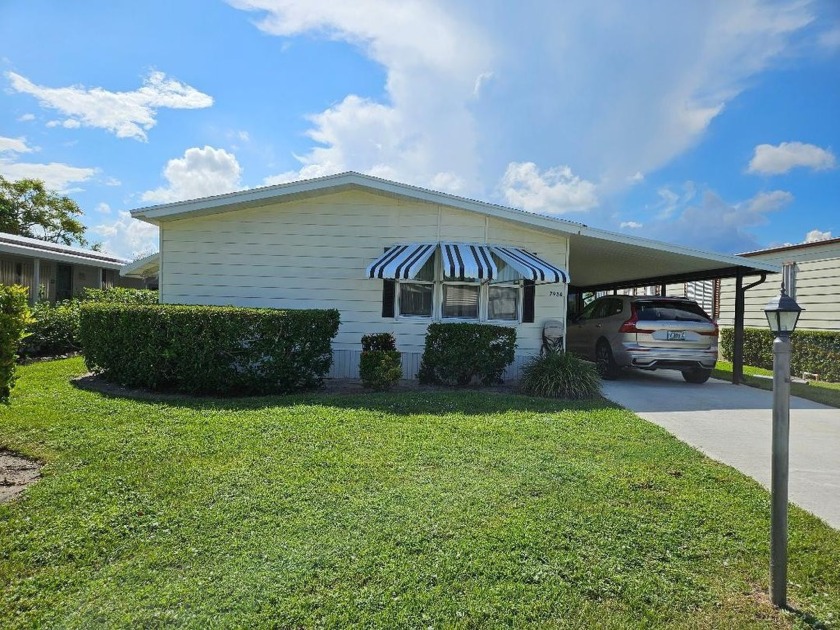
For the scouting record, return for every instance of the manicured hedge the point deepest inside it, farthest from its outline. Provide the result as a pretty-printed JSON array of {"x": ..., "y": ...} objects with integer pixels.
[
  {"x": 208, "y": 349},
  {"x": 458, "y": 354},
  {"x": 380, "y": 365},
  {"x": 815, "y": 351},
  {"x": 54, "y": 329},
  {"x": 14, "y": 316}
]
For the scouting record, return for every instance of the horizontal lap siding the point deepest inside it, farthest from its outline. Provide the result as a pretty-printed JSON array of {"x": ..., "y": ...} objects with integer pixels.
[
  {"x": 817, "y": 291},
  {"x": 313, "y": 254}
]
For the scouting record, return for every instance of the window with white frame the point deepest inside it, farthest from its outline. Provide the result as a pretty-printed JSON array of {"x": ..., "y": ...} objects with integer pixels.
[{"x": 433, "y": 295}]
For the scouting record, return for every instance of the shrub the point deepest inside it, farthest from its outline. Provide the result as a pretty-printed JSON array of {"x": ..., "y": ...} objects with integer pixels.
[
  {"x": 54, "y": 329},
  {"x": 560, "y": 375},
  {"x": 458, "y": 354},
  {"x": 816, "y": 351},
  {"x": 208, "y": 349},
  {"x": 14, "y": 317},
  {"x": 380, "y": 365}
]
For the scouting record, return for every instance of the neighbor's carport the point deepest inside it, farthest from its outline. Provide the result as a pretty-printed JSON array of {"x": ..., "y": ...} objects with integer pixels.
[{"x": 606, "y": 261}]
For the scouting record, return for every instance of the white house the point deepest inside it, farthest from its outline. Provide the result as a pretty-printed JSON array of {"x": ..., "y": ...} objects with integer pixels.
[{"x": 393, "y": 258}]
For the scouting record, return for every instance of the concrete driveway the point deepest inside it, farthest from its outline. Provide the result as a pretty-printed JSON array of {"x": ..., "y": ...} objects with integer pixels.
[{"x": 732, "y": 424}]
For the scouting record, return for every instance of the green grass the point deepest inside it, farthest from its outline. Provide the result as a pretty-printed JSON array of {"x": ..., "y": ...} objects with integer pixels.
[
  {"x": 461, "y": 509},
  {"x": 818, "y": 391}
]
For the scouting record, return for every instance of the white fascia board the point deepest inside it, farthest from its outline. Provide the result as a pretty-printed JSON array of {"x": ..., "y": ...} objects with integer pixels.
[
  {"x": 33, "y": 252},
  {"x": 149, "y": 265}
]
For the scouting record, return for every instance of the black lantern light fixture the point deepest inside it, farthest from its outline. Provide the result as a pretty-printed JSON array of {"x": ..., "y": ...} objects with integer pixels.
[{"x": 782, "y": 314}]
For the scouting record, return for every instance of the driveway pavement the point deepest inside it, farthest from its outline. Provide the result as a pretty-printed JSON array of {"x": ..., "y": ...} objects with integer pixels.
[{"x": 732, "y": 424}]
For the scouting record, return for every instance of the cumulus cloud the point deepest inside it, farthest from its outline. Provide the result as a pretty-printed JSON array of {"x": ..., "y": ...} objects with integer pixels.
[
  {"x": 200, "y": 173},
  {"x": 554, "y": 191},
  {"x": 55, "y": 175},
  {"x": 26, "y": 117},
  {"x": 714, "y": 224},
  {"x": 126, "y": 237},
  {"x": 125, "y": 114},
  {"x": 777, "y": 160},
  {"x": 633, "y": 225},
  {"x": 14, "y": 145},
  {"x": 815, "y": 236},
  {"x": 641, "y": 81}
]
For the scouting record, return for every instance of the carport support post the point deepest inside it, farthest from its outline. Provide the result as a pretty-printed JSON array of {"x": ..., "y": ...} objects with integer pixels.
[
  {"x": 779, "y": 471},
  {"x": 738, "y": 340}
]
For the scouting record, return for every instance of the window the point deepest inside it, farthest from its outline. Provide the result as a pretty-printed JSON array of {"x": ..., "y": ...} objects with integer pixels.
[
  {"x": 432, "y": 295},
  {"x": 503, "y": 302},
  {"x": 460, "y": 301}
]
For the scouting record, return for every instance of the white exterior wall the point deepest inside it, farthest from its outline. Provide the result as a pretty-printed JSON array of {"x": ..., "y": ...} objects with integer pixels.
[
  {"x": 817, "y": 289},
  {"x": 313, "y": 253}
]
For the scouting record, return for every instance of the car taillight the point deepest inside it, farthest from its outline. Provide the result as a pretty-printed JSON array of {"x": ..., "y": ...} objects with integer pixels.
[
  {"x": 712, "y": 333},
  {"x": 630, "y": 325}
]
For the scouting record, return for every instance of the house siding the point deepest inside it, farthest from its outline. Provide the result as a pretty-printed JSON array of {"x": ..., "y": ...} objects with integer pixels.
[
  {"x": 817, "y": 288},
  {"x": 313, "y": 253}
]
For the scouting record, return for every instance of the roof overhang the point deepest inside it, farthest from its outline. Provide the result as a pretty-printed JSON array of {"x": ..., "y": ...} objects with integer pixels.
[
  {"x": 24, "y": 247},
  {"x": 143, "y": 268},
  {"x": 597, "y": 258}
]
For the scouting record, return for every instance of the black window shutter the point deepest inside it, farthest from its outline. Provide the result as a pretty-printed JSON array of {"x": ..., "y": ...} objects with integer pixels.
[
  {"x": 388, "y": 290},
  {"x": 528, "y": 302}
]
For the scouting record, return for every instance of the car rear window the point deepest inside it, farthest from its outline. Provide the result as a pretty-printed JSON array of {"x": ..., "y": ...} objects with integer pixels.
[{"x": 655, "y": 310}]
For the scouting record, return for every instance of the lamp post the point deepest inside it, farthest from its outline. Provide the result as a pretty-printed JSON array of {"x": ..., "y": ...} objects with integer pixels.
[{"x": 782, "y": 314}]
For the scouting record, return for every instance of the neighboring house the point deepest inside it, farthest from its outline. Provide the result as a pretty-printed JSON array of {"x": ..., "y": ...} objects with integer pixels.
[
  {"x": 811, "y": 273},
  {"x": 57, "y": 272},
  {"x": 393, "y": 258}
]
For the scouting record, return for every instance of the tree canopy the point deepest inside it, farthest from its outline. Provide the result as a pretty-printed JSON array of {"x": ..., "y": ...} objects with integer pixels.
[{"x": 27, "y": 208}]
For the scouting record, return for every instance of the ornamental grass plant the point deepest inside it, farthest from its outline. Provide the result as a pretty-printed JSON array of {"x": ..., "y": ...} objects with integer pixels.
[{"x": 560, "y": 375}]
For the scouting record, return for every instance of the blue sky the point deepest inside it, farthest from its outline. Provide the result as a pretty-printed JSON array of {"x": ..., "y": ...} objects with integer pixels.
[{"x": 710, "y": 124}]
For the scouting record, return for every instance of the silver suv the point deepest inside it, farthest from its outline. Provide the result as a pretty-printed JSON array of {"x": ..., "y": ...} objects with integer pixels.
[{"x": 645, "y": 332}]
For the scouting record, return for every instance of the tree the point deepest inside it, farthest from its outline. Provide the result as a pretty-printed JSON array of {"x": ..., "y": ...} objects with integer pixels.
[{"x": 27, "y": 208}]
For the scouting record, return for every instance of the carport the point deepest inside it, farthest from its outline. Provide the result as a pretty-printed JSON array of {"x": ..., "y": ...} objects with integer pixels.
[{"x": 607, "y": 261}]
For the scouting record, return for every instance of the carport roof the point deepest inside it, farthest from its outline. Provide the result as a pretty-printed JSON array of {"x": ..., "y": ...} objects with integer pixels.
[{"x": 598, "y": 259}]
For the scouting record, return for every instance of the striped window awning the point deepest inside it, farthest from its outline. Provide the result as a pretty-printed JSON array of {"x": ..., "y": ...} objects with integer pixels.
[{"x": 463, "y": 261}]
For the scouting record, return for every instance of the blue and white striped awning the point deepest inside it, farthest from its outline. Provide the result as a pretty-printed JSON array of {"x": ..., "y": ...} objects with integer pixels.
[{"x": 463, "y": 261}]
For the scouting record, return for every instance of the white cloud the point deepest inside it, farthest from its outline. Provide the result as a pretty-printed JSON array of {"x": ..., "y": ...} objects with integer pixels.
[
  {"x": 14, "y": 145},
  {"x": 103, "y": 208},
  {"x": 126, "y": 237},
  {"x": 613, "y": 89},
  {"x": 633, "y": 225},
  {"x": 200, "y": 173},
  {"x": 125, "y": 114},
  {"x": 26, "y": 117},
  {"x": 554, "y": 191},
  {"x": 717, "y": 225},
  {"x": 670, "y": 201},
  {"x": 55, "y": 175},
  {"x": 770, "y": 160},
  {"x": 815, "y": 236}
]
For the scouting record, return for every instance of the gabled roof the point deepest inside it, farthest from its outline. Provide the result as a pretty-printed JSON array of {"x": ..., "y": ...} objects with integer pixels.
[
  {"x": 26, "y": 247},
  {"x": 597, "y": 257}
]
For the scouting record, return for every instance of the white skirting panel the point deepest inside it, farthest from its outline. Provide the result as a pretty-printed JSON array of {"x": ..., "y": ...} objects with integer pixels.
[{"x": 346, "y": 365}]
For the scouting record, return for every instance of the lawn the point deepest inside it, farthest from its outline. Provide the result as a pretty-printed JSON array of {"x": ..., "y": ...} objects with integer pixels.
[
  {"x": 390, "y": 510},
  {"x": 818, "y": 391}
]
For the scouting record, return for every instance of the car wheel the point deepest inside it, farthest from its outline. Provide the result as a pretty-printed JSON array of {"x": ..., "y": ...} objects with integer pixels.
[
  {"x": 604, "y": 361},
  {"x": 696, "y": 375}
]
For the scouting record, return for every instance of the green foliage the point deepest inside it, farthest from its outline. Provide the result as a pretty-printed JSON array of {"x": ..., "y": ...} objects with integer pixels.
[
  {"x": 443, "y": 509},
  {"x": 208, "y": 349},
  {"x": 14, "y": 317},
  {"x": 458, "y": 354},
  {"x": 560, "y": 375},
  {"x": 27, "y": 208},
  {"x": 120, "y": 295},
  {"x": 380, "y": 365},
  {"x": 54, "y": 329},
  {"x": 815, "y": 351}
]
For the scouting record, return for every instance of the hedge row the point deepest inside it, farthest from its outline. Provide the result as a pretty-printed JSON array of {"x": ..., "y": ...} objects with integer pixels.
[
  {"x": 459, "y": 354},
  {"x": 814, "y": 351},
  {"x": 54, "y": 329},
  {"x": 208, "y": 349}
]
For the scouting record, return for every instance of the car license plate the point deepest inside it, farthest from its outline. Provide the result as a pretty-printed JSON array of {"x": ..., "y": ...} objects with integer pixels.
[{"x": 676, "y": 335}]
